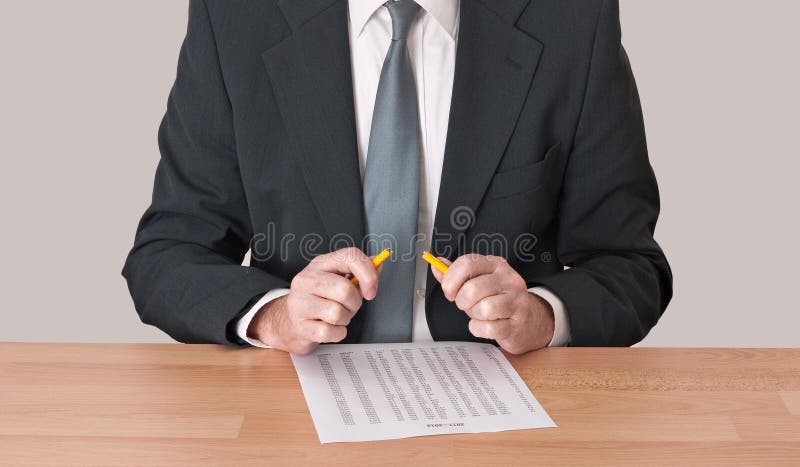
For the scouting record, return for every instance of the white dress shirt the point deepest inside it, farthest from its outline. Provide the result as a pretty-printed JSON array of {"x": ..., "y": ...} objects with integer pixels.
[{"x": 432, "y": 45}]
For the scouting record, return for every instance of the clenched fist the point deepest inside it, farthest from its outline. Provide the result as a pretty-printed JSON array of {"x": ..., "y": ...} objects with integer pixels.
[
  {"x": 320, "y": 304},
  {"x": 498, "y": 302}
]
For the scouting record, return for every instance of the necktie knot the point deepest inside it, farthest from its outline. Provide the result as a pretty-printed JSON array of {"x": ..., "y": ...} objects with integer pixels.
[{"x": 403, "y": 13}]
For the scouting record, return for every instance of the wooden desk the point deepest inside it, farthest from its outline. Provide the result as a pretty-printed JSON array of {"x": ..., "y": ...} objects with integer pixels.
[{"x": 168, "y": 404}]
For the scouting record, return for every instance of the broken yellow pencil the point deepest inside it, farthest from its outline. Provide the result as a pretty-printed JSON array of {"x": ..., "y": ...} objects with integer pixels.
[
  {"x": 435, "y": 262},
  {"x": 376, "y": 261}
]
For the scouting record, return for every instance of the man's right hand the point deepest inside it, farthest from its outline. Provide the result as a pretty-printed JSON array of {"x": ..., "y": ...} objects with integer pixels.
[{"x": 320, "y": 304}]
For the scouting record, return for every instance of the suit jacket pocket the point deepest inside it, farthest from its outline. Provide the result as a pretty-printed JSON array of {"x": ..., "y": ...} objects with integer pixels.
[{"x": 529, "y": 178}]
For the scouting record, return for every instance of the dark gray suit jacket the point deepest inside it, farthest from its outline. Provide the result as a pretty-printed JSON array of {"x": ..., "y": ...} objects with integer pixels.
[{"x": 545, "y": 154}]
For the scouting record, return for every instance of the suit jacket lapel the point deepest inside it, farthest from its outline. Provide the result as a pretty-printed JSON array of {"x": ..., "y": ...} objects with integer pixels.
[
  {"x": 311, "y": 76},
  {"x": 495, "y": 65}
]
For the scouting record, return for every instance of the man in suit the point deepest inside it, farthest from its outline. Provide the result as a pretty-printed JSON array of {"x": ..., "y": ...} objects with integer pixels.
[{"x": 504, "y": 135}]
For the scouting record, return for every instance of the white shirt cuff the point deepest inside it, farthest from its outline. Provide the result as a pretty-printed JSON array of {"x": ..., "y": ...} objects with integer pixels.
[
  {"x": 561, "y": 331},
  {"x": 244, "y": 321}
]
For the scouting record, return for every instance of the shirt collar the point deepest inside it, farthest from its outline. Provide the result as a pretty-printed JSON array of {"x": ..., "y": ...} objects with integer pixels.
[{"x": 445, "y": 12}]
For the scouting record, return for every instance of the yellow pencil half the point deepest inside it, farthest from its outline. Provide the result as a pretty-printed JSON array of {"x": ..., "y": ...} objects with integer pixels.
[
  {"x": 434, "y": 261},
  {"x": 376, "y": 261}
]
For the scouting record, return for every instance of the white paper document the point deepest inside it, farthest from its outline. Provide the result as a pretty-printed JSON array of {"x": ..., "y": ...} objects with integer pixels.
[{"x": 366, "y": 392}]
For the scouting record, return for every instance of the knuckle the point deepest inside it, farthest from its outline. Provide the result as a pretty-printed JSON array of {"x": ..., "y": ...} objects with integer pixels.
[
  {"x": 517, "y": 282},
  {"x": 332, "y": 333},
  {"x": 476, "y": 312},
  {"x": 321, "y": 333},
  {"x": 341, "y": 291},
  {"x": 354, "y": 251},
  {"x": 315, "y": 261},
  {"x": 351, "y": 254},
  {"x": 487, "y": 310},
  {"x": 469, "y": 291},
  {"x": 461, "y": 303},
  {"x": 299, "y": 281},
  {"x": 447, "y": 288},
  {"x": 336, "y": 314},
  {"x": 327, "y": 311},
  {"x": 468, "y": 261},
  {"x": 470, "y": 294},
  {"x": 462, "y": 262}
]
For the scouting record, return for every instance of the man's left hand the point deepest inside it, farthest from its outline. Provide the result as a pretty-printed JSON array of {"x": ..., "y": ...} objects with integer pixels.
[{"x": 497, "y": 300}]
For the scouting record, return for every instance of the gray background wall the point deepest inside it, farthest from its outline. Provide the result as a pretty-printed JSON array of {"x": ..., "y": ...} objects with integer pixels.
[{"x": 84, "y": 84}]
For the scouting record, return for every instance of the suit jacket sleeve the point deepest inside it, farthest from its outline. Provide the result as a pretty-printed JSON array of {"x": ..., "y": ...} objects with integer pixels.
[
  {"x": 184, "y": 271},
  {"x": 618, "y": 282}
]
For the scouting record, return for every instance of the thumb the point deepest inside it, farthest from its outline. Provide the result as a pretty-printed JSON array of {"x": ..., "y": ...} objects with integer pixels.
[{"x": 438, "y": 274}]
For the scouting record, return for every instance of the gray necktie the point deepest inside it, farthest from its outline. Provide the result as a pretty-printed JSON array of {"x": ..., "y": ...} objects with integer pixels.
[{"x": 391, "y": 185}]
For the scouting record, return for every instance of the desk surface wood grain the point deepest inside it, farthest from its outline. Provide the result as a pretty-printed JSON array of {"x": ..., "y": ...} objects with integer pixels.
[{"x": 96, "y": 404}]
